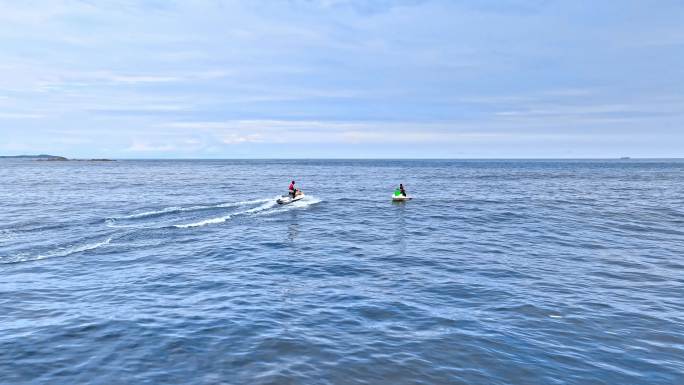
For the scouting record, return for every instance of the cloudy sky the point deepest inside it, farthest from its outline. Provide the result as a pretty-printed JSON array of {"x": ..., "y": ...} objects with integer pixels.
[{"x": 342, "y": 78}]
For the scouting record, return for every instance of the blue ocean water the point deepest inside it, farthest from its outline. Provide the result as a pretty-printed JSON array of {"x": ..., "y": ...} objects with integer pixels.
[{"x": 187, "y": 272}]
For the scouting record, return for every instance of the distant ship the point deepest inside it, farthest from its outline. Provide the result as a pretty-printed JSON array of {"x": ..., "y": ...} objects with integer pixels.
[{"x": 625, "y": 158}]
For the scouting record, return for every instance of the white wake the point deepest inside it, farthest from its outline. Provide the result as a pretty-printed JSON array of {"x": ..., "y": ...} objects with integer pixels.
[
  {"x": 270, "y": 206},
  {"x": 180, "y": 209},
  {"x": 59, "y": 252}
]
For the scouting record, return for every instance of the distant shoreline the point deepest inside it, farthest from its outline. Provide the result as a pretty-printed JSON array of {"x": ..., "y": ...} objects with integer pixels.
[
  {"x": 41, "y": 156},
  {"x": 53, "y": 158}
]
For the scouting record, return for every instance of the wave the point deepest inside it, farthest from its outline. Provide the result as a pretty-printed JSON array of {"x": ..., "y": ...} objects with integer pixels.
[
  {"x": 180, "y": 209},
  {"x": 59, "y": 252},
  {"x": 7, "y": 235}
]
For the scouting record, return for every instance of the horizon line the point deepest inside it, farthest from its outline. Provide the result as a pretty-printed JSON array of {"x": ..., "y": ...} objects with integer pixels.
[{"x": 345, "y": 158}]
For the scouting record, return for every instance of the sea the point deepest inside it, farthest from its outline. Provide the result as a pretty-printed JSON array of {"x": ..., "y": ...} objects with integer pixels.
[{"x": 189, "y": 272}]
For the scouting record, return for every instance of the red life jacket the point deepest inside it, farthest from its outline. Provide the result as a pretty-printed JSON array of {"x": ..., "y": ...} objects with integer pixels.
[{"x": 291, "y": 186}]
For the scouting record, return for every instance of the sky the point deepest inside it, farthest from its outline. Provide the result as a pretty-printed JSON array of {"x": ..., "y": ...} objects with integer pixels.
[{"x": 342, "y": 78}]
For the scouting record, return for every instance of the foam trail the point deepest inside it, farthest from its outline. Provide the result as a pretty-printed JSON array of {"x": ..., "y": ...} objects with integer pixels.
[
  {"x": 149, "y": 213},
  {"x": 111, "y": 223},
  {"x": 74, "y": 250},
  {"x": 60, "y": 252},
  {"x": 250, "y": 202},
  {"x": 268, "y": 203},
  {"x": 264, "y": 209},
  {"x": 204, "y": 222},
  {"x": 265, "y": 206},
  {"x": 308, "y": 200},
  {"x": 178, "y": 209}
]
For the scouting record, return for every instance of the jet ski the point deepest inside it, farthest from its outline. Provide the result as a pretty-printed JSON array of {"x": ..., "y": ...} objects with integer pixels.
[
  {"x": 400, "y": 198},
  {"x": 287, "y": 199}
]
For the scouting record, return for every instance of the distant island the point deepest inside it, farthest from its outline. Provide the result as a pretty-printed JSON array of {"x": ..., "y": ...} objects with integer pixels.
[
  {"x": 46, "y": 157},
  {"x": 41, "y": 156}
]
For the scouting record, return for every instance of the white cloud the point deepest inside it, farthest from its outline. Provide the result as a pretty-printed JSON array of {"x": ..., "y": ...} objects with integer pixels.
[
  {"x": 358, "y": 132},
  {"x": 238, "y": 138},
  {"x": 138, "y": 146},
  {"x": 20, "y": 115}
]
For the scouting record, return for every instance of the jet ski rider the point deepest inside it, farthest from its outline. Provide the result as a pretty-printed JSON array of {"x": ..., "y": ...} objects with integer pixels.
[
  {"x": 401, "y": 189},
  {"x": 292, "y": 189}
]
